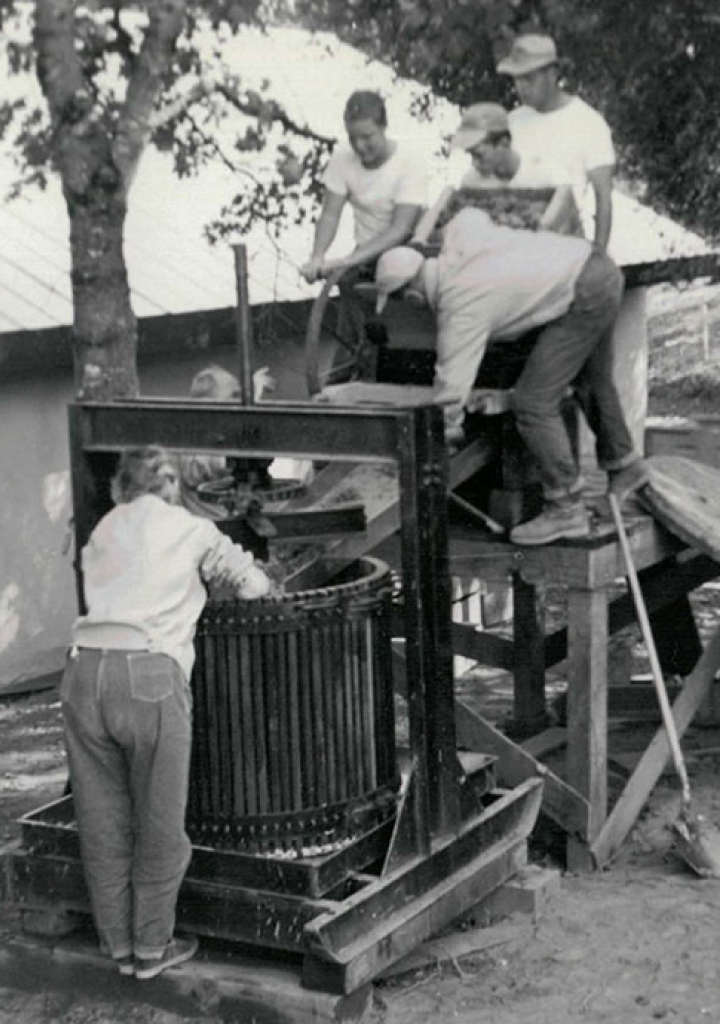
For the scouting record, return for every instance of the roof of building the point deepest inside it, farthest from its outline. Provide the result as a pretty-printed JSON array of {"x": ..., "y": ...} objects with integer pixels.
[{"x": 171, "y": 266}]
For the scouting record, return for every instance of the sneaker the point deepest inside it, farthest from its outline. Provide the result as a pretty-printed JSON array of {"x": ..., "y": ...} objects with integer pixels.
[
  {"x": 555, "y": 522},
  {"x": 176, "y": 952},
  {"x": 125, "y": 964},
  {"x": 625, "y": 481}
]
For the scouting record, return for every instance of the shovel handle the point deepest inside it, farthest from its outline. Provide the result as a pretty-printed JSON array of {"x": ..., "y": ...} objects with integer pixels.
[{"x": 647, "y": 635}]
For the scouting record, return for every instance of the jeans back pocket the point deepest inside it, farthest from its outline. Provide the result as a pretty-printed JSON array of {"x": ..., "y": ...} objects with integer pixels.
[{"x": 152, "y": 676}]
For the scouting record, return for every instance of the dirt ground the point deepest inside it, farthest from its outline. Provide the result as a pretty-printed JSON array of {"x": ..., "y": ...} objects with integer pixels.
[{"x": 637, "y": 942}]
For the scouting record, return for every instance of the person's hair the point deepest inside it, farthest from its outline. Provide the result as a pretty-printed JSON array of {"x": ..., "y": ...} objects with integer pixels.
[
  {"x": 137, "y": 473},
  {"x": 366, "y": 104},
  {"x": 214, "y": 382}
]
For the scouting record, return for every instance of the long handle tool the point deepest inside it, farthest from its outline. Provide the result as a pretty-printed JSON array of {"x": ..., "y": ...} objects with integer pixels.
[{"x": 697, "y": 842}]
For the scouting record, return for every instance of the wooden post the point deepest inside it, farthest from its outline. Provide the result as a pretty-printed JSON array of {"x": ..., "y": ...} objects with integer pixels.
[
  {"x": 243, "y": 326},
  {"x": 444, "y": 769},
  {"x": 413, "y": 567},
  {"x": 586, "y": 760},
  {"x": 529, "y": 714}
]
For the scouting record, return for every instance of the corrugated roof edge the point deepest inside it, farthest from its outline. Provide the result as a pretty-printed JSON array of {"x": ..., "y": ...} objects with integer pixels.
[{"x": 45, "y": 352}]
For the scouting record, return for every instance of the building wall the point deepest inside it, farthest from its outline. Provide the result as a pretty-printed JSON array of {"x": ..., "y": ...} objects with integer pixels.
[{"x": 37, "y": 584}]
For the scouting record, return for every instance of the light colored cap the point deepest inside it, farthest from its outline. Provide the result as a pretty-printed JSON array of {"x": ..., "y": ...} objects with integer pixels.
[
  {"x": 216, "y": 383},
  {"x": 479, "y": 121},
  {"x": 395, "y": 268},
  {"x": 528, "y": 53}
]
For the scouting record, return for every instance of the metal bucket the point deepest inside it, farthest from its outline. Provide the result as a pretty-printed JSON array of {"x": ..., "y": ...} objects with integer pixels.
[{"x": 293, "y": 727}]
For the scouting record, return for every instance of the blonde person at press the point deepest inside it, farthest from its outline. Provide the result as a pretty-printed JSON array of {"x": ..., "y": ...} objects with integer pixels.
[{"x": 126, "y": 704}]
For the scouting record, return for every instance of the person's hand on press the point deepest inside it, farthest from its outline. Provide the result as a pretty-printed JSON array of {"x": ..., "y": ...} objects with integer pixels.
[
  {"x": 310, "y": 270},
  {"x": 330, "y": 266},
  {"x": 317, "y": 269},
  {"x": 262, "y": 381},
  {"x": 489, "y": 401}
]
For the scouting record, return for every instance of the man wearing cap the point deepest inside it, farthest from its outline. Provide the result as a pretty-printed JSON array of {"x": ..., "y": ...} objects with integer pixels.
[
  {"x": 484, "y": 134},
  {"x": 493, "y": 282},
  {"x": 551, "y": 121}
]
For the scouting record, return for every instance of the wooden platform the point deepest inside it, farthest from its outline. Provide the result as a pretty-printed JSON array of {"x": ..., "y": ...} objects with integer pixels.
[
  {"x": 342, "y": 940},
  {"x": 586, "y": 568},
  {"x": 220, "y": 983}
]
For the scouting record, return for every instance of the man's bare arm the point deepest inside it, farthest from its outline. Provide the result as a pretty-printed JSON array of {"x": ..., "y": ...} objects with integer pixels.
[
  {"x": 404, "y": 219},
  {"x": 325, "y": 232},
  {"x": 601, "y": 180}
]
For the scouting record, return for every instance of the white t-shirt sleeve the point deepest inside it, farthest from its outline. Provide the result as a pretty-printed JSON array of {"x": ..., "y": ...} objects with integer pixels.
[
  {"x": 336, "y": 177},
  {"x": 228, "y": 563},
  {"x": 598, "y": 148}
]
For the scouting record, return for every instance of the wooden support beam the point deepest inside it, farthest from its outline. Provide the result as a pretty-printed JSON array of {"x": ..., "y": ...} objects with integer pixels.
[
  {"x": 586, "y": 758},
  {"x": 382, "y": 922},
  {"x": 483, "y": 647},
  {"x": 662, "y": 585},
  {"x": 380, "y": 946},
  {"x": 272, "y": 920},
  {"x": 310, "y": 523},
  {"x": 651, "y": 765},
  {"x": 529, "y": 657},
  {"x": 568, "y": 808}
]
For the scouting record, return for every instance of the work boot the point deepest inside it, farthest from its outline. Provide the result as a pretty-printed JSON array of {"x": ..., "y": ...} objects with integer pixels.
[
  {"x": 624, "y": 482},
  {"x": 555, "y": 522}
]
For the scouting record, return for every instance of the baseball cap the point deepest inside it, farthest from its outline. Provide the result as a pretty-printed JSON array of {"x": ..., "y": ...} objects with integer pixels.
[
  {"x": 395, "y": 268},
  {"x": 528, "y": 53},
  {"x": 477, "y": 122}
]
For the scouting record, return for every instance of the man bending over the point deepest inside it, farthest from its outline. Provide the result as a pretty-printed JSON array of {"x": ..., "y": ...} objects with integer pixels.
[{"x": 498, "y": 283}]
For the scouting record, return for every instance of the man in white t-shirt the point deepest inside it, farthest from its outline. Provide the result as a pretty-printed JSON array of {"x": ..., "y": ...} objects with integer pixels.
[
  {"x": 484, "y": 134},
  {"x": 550, "y": 122},
  {"x": 385, "y": 183}
]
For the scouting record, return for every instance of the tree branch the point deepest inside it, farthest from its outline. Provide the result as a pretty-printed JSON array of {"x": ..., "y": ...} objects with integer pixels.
[
  {"x": 124, "y": 39},
  {"x": 213, "y": 144},
  {"x": 270, "y": 111},
  {"x": 165, "y": 21},
  {"x": 58, "y": 64},
  {"x": 176, "y": 108}
]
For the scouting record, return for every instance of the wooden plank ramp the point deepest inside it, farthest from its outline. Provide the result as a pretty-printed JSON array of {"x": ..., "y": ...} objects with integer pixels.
[{"x": 376, "y": 486}]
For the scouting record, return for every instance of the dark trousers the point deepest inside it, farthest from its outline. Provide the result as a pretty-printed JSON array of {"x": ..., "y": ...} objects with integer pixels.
[{"x": 575, "y": 350}]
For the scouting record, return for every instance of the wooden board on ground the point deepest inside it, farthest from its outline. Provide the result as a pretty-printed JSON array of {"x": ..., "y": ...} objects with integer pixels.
[{"x": 684, "y": 496}]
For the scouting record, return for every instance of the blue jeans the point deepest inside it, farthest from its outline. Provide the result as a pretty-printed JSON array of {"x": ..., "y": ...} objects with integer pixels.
[
  {"x": 576, "y": 349},
  {"x": 127, "y": 731}
]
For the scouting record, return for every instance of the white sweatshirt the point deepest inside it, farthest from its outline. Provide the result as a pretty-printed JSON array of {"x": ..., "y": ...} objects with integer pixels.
[{"x": 143, "y": 571}]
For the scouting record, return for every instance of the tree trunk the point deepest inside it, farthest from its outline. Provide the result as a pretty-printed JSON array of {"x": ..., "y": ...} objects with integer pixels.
[
  {"x": 96, "y": 146},
  {"x": 105, "y": 328}
]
